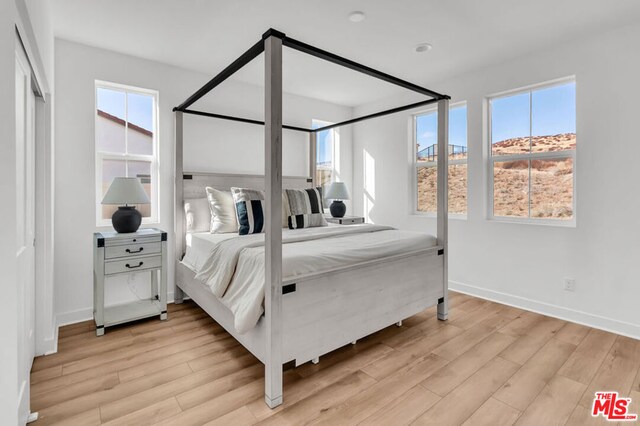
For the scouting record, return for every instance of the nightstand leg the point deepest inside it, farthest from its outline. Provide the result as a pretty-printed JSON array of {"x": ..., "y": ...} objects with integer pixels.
[
  {"x": 95, "y": 299},
  {"x": 154, "y": 284},
  {"x": 99, "y": 307},
  {"x": 162, "y": 289},
  {"x": 98, "y": 291}
]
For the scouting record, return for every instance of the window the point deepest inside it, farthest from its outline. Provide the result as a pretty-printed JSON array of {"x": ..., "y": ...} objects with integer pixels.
[
  {"x": 532, "y": 153},
  {"x": 126, "y": 122},
  {"x": 425, "y": 149},
  {"x": 325, "y": 154}
]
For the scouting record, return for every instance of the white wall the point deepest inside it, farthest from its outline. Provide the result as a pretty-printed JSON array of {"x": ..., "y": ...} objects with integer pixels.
[
  {"x": 210, "y": 145},
  {"x": 525, "y": 264},
  {"x": 41, "y": 33}
]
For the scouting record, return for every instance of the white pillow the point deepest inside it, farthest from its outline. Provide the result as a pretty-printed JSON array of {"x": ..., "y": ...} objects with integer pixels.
[
  {"x": 223, "y": 211},
  {"x": 197, "y": 214}
]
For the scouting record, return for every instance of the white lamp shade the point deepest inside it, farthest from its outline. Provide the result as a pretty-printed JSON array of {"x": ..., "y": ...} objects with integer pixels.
[
  {"x": 337, "y": 191},
  {"x": 126, "y": 190}
]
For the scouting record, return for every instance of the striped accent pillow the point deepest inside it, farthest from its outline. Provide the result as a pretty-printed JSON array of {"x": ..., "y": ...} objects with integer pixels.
[
  {"x": 305, "y": 206},
  {"x": 249, "y": 210}
]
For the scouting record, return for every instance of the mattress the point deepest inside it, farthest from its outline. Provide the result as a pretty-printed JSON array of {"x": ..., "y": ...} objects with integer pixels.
[
  {"x": 199, "y": 246},
  {"x": 233, "y": 266}
]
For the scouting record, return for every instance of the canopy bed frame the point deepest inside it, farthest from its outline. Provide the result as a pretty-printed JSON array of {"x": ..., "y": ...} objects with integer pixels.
[{"x": 314, "y": 314}]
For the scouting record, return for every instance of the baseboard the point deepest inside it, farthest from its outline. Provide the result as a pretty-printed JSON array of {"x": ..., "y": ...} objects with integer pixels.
[
  {"x": 567, "y": 314},
  {"x": 23, "y": 403},
  {"x": 73, "y": 317},
  {"x": 67, "y": 318},
  {"x": 50, "y": 346}
]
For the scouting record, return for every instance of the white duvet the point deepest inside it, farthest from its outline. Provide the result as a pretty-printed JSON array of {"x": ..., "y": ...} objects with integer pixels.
[{"x": 233, "y": 266}]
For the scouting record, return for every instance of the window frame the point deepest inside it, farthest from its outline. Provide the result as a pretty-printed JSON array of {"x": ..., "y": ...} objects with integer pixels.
[
  {"x": 317, "y": 123},
  {"x": 415, "y": 165},
  {"x": 551, "y": 155},
  {"x": 153, "y": 159}
]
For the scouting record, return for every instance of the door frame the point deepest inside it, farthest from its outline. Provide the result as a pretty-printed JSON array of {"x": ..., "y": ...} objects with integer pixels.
[
  {"x": 46, "y": 326},
  {"x": 25, "y": 113}
]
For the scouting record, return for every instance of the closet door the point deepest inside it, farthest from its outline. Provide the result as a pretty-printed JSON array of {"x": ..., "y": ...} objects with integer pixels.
[{"x": 25, "y": 229}]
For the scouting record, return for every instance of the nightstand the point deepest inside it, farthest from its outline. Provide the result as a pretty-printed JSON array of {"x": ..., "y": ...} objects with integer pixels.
[
  {"x": 114, "y": 254},
  {"x": 346, "y": 220}
]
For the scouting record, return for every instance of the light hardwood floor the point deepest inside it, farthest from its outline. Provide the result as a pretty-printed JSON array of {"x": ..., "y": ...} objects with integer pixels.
[{"x": 489, "y": 364}]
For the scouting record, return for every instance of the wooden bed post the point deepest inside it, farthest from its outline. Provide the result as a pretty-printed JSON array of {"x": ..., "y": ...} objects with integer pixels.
[
  {"x": 179, "y": 220},
  {"x": 313, "y": 140},
  {"x": 273, "y": 225},
  {"x": 443, "y": 200}
]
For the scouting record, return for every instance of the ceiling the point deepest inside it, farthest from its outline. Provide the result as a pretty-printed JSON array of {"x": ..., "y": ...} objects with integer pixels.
[{"x": 206, "y": 35}]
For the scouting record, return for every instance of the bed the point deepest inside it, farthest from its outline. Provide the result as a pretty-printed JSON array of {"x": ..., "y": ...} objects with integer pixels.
[
  {"x": 231, "y": 267},
  {"x": 295, "y": 295}
]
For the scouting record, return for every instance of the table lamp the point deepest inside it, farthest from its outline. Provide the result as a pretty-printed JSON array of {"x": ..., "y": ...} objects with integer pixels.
[
  {"x": 123, "y": 192},
  {"x": 337, "y": 192}
]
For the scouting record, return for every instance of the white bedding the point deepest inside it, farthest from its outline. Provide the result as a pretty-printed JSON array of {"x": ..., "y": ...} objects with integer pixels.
[{"x": 233, "y": 266}]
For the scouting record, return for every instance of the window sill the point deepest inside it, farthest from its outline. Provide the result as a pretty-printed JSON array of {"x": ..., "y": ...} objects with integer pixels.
[
  {"x": 536, "y": 222},
  {"x": 455, "y": 216}
]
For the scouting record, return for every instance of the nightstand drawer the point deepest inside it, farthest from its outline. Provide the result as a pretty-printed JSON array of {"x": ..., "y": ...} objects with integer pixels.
[
  {"x": 110, "y": 242},
  {"x": 112, "y": 252},
  {"x": 132, "y": 264},
  {"x": 348, "y": 221}
]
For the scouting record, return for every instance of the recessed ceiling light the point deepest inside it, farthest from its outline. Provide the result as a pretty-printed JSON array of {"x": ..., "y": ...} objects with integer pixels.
[
  {"x": 357, "y": 16},
  {"x": 423, "y": 47}
]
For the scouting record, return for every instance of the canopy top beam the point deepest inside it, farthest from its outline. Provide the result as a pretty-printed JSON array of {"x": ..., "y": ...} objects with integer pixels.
[{"x": 258, "y": 48}]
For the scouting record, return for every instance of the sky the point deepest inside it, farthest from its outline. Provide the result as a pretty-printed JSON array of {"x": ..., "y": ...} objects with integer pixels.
[
  {"x": 552, "y": 111},
  {"x": 427, "y": 127},
  {"x": 324, "y": 145},
  {"x": 140, "y": 109},
  {"x": 546, "y": 111}
]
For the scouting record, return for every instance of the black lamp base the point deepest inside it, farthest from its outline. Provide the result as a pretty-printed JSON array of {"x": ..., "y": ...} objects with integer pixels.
[
  {"x": 126, "y": 219},
  {"x": 337, "y": 208}
]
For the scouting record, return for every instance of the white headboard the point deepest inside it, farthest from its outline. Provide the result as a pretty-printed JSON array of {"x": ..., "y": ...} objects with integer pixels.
[{"x": 192, "y": 185}]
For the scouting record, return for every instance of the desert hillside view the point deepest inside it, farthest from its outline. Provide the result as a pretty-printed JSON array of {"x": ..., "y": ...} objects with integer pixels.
[{"x": 551, "y": 181}]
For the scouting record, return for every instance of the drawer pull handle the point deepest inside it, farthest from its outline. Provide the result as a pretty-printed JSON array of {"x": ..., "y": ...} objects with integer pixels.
[
  {"x": 137, "y": 251},
  {"x": 131, "y": 267}
]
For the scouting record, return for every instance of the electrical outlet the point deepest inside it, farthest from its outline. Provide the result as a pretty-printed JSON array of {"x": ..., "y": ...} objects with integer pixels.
[{"x": 569, "y": 284}]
